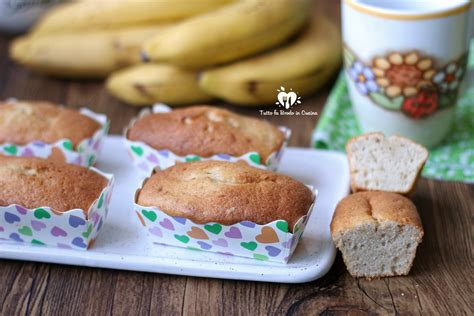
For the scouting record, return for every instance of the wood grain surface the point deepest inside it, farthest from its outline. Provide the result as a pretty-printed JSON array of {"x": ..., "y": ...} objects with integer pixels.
[{"x": 440, "y": 283}]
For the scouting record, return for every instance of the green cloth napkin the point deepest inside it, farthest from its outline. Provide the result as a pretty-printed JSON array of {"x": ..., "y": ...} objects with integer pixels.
[{"x": 453, "y": 160}]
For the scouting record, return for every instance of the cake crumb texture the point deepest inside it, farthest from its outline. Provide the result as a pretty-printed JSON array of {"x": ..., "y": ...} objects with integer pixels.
[
  {"x": 390, "y": 164},
  {"x": 377, "y": 233}
]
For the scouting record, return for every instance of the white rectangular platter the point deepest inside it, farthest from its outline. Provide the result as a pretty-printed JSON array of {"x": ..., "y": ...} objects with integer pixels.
[{"x": 123, "y": 243}]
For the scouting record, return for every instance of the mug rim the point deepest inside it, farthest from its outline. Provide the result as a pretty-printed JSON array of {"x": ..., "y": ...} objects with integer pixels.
[{"x": 404, "y": 15}]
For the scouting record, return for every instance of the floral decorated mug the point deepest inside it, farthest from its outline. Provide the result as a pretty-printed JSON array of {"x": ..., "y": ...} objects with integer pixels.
[{"x": 404, "y": 62}]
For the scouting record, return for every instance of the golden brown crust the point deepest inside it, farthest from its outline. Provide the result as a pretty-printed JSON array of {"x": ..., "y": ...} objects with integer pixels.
[
  {"x": 34, "y": 182},
  {"x": 22, "y": 122},
  {"x": 207, "y": 131},
  {"x": 226, "y": 193},
  {"x": 373, "y": 207}
]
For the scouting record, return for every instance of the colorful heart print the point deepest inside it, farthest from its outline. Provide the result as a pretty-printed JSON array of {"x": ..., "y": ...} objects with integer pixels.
[
  {"x": 76, "y": 221},
  {"x": 150, "y": 215},
  {"x": 221, "y": 242},
  {"x": 11, "y": 218},
  {"x": 166, "y": 223},
  {"x": 25, "y": 230},
  {"x": 88, "y": 232},
  {"x": 137, "y": 150},
  {"x": 267, "y": 236},
  {"x": 283, "y": 226},
  {"x": 214, "y": 228},
  {"x": 67, "y": 144},
  {"x": 146, "y": 158},
  {"x": 271, "y": 241},
  {"x": 247, "y": 224},
  {"x": 85, "y": 155},
  {"x": 182, "y": 238},
  {"x": 234, "y": 232},
  {"x": 251, "y": 245},
  {"x": 101, "y": 201},
  {"x": 37, "y": 225},
  {"x": 21, "y": 209},
  {"x": 152, "y": 158},
  {"x": 27, "y": 152},
  {"x": 255, "y": 158},
  {"x": 156, "y": 231},
  {"x": 11, "y": 149},
  {"x": 204, "y": 245},
  {"x": 260, "y": 257},
  {"x": 79, "y": 242},
  {"x": 180, "y": 220},
  {"x": 58, "y": 232},
  {"x": 192, "y": 158},
  {"x": 197, "y": 233},
  {"x": 41, "y": 226},
  {"x": 272, "y": 251},
  {"x": 16, "y": 237},
  {"x": 37, "y": 242},
  {"x": 42, "y": 213}
]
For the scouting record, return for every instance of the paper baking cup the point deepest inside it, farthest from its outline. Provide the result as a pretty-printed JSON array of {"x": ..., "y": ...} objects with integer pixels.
[
  {"x": 42, "y": 226},
  {"x": 85, "y": 155},
  {"x": 146, "y": 158},
  {"x": 269, "y": 242}
]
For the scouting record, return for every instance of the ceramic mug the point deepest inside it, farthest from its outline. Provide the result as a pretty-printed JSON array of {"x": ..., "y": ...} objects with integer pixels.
[{"x": 404, "y": 63}]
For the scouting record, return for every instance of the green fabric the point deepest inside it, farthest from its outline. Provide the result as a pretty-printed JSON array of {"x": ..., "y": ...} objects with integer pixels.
[{"x": 452, "y": 160}]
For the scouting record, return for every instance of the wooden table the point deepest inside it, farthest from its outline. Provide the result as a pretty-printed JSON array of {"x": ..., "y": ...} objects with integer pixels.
[{"x": 440, "y": 282}]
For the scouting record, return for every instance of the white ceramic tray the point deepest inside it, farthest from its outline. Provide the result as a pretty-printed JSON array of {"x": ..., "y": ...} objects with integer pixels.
[{"x": 123, "y": 243}]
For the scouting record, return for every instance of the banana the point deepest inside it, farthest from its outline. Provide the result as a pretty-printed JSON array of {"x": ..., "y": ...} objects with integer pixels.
[
  {"x": 303, "y": 66},
  {"x": 229, "y": 33},
  {"x": 82, "y": 55},
  {"x": 107, "y": 14},
  {"x": 149, "y": 83}
]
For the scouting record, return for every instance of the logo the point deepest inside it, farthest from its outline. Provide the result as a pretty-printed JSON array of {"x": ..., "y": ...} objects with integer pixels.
[{"x": 287, "y": 99}]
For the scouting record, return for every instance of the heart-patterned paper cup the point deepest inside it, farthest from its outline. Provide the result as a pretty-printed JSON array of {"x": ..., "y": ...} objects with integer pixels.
[
  {"x": 84, "y": 155},
  {"x": 73, "y": 229},
  {"x": 270, "y": 242},
  {"x": 146, "y": 158}
]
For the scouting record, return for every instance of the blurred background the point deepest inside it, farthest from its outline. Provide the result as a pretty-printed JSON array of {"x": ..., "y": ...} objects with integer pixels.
[{"x": 116, "y": 56}]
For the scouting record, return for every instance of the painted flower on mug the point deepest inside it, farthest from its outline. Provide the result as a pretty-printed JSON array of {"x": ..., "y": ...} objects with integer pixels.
[
  {"x": 422, "y": 104},
  {"x": 407, "y": 82},
  {"x": 363, "y": 77},
  {"x": 449, "y": 78},
  {"x": 403, "y": 74}
]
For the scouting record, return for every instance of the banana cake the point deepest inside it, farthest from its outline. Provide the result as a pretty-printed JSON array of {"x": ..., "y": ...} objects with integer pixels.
[
  {"x": 34, "y": 182},
  {"x": 22, "y": 122},
  {"x": 207, "y": 131},
  {"x": 226, "y": 193},
  {"x": 377, "y": 232}
]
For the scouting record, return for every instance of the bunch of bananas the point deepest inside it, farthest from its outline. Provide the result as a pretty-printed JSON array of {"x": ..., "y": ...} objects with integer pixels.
[{"x": 196, "y": 50}]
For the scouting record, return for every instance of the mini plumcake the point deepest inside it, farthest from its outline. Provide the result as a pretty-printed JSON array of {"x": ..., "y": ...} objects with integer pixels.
[
  {"x": 206, "y": 131},
  {"x": 22, "y": 122},
  {"x": 377, "y": 233},
  {"x": 226, "y": 193},
  {"x": 34, "y": 182},
  {"x": 380, "y": 163}
]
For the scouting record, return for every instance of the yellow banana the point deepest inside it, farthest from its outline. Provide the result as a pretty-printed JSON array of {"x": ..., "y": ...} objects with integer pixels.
[
  {"x": 303, "y": 66},
  {"x": 229, "y": 33},
  {"x": 107, "y": 14},
  {"x": 82, "y": 55},
  {"x": 149, "y": 83}
]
